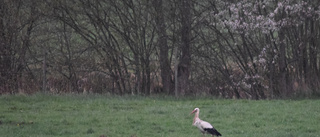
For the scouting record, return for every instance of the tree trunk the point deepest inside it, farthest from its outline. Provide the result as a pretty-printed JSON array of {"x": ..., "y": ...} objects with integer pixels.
[
  {"x": 185, "y": 59},
  {"x": 163, "y": 47},
  {"x": 44, "y": 70},
  {"x": 282, "y": 65}
]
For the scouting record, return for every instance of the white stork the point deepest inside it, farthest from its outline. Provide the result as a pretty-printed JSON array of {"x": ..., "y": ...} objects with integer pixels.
[{"x": 204, "y": 126}]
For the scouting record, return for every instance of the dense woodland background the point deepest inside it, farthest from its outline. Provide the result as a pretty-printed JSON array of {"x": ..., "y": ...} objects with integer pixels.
[{"x": 255, "y": 49}]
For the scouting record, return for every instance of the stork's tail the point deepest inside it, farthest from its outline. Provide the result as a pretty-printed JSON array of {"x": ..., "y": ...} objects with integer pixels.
[{"x": 212, "y": 131}]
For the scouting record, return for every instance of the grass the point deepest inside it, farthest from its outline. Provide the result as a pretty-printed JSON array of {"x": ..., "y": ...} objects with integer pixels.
[{"x": 93, "y": 115}]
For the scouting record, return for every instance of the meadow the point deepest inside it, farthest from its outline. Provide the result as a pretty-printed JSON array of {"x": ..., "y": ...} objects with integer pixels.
[{"x": 42, "y": 115}]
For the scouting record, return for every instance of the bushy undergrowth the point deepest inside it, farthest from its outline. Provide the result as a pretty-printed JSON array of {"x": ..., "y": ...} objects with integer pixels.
[{"x": 114, "y": 116}]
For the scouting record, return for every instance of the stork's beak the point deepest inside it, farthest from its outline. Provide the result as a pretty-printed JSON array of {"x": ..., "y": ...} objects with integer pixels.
[{"x": 193, "y": 112}]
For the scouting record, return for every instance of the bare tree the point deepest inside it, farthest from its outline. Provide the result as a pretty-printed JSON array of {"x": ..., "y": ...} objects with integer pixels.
[{"x": 17, "y": 21}]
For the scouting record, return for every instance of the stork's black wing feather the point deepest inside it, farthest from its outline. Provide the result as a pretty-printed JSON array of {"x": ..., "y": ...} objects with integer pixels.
[{"x": 212, "y": 131}]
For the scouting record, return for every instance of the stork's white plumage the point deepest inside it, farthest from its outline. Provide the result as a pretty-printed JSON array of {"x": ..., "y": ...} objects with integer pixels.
[{"x": 204, "y": 126}]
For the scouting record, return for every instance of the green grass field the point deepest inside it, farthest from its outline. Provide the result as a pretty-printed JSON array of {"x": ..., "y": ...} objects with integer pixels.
[{"x": 94, "y": 115}]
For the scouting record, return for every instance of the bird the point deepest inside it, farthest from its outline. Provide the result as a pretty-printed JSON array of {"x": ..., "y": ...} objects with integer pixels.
[{"x": 204, "y": 127}]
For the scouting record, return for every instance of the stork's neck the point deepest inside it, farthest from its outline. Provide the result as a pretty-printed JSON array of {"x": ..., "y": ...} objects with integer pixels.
[{"x": 196, "y": 117}]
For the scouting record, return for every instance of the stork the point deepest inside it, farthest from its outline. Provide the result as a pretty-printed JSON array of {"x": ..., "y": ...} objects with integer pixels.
[{"x": 204, "y": 126}]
